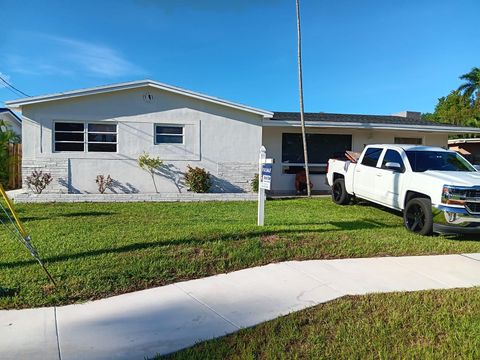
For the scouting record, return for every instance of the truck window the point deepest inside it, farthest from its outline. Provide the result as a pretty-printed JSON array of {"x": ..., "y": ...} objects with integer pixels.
[
  {"x": 371, "y": 156},
  {"x": 421, "y": 161},
  {"x": 392, "y": 156}
]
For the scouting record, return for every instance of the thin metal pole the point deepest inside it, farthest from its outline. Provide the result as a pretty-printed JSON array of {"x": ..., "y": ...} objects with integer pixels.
[{"x": 300, "y": 88}]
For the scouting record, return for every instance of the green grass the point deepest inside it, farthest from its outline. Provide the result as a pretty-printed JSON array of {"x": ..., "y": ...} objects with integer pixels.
[
  {"x": 423, "y": 325},
  {"x": 99, "y": 250}
]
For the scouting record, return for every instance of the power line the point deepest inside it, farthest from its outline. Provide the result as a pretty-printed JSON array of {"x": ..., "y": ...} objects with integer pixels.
[{"x": 11, "y": 87}]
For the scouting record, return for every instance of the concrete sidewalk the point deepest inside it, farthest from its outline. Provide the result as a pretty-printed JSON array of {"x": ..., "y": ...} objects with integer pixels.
[{"x": 169, "y": 318}]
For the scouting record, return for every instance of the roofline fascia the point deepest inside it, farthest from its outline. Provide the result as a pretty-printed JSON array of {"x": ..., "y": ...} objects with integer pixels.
[
  {"x": 373, "y": 126},
  {"x": 17, "y": 104},
  {"x": 13, "y": 115}
]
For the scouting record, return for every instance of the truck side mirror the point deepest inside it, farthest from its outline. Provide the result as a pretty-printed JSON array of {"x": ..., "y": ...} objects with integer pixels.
[{"x": 393, "y": 166}]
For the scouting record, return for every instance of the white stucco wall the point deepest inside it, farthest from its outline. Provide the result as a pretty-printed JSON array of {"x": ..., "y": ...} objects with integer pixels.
[
  {"x": 222, "y": 140},
  {"x": 285, "y": 183}
]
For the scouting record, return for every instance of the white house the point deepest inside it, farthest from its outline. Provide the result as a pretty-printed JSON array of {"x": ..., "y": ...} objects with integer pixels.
[
  {"x": 11, "y": 119},
  {"x": 80, "y": 134}
]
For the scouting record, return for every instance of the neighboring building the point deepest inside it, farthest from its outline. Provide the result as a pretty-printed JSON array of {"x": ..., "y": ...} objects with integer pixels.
[
  {"x": 12, "y": 120},
  {"x": 80, "y": 134},
  {"x": 469, "y": 148}
]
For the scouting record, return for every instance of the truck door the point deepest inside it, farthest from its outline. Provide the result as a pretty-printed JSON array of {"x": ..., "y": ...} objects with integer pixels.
[
  {"x": 389, "y": 179},
  {"x": 365, "y": 173}
]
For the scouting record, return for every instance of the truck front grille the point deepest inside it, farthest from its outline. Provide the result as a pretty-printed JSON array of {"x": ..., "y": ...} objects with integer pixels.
[
  {"x": 473, "y": 193},
  {"x": 473, "y": 207}
]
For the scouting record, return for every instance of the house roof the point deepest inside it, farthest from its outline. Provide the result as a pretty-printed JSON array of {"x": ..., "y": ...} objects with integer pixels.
[
  {"x": 13, "y": 115},
  {"x": 464, "y": 141},
  {"x": 387, "y": 122},
  {"x": 133, "y": 85}
]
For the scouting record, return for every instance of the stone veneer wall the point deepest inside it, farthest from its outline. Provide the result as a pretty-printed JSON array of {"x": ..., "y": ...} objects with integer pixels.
[
  {"x": 236, "y": 177},
  {"x": 59, "y": 169},
  {"x": 230, "y": 177},
  {"x": 167, "y": 197}
]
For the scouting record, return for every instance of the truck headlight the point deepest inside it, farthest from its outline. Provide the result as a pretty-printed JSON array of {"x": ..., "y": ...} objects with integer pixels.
[{"x": 454, "y": 195}]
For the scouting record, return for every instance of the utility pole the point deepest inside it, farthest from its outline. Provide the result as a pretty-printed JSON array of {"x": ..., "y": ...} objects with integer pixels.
[{"x": 300, "y": 88}]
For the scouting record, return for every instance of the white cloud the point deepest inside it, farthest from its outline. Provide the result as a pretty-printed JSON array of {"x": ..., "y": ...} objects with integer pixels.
[
  {"x": 67, "y": 56},
  {"x": 96, "y": 59}
]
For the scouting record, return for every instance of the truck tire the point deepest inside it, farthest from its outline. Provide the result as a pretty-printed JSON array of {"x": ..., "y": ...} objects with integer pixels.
[
  {"x": 339, "y": 193},
  {"x": 417, "y": 216}
]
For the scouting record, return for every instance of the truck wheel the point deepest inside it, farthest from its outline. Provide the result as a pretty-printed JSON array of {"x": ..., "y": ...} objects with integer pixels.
[
  {"x": 339, "y": 193},
  {"x": 417, "y": 216}
]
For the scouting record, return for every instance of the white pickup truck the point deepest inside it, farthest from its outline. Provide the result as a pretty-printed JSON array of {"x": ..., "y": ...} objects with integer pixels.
[{"x": 437, "y": 190}]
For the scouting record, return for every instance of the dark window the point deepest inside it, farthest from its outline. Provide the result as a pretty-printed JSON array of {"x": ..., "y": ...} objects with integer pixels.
[
  {"x": 102, "y": 137},
  {"x": 392, "y": 156},
  {"x": 102, "y": 128},
  {"x": 437, "y": 160},
  {"x": 69, "y": 146},
  {"x": 101, "y": 147},
  {"x": 321, "y": 147},
  {"x": 371, "y": 156},
  {"x": 168, "y": 134},
  {"x": 313, "y": 170},
  {"x": 408, "y": 140},
  {"x": 69, "y": 127},
  {"x": 69, "y": 136}
]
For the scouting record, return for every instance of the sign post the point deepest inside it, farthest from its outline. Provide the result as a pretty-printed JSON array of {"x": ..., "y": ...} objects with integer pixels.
[{"x": 264, "y": 182}]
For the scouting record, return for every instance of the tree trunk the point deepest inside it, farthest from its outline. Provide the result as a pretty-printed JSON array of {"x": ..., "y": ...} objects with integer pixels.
[
  {"x": 300, "y": 87},
  {"x": 153, "y": 179}
]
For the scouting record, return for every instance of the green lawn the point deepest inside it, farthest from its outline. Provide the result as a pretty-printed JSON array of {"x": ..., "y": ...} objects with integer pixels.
[
  {"x": 423, "y": 325},
  {"x": 98, "y": 250}
]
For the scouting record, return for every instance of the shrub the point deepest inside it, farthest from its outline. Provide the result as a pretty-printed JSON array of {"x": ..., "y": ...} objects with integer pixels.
[
  {"x": 38, "y": 181},
  {"x": 198, "y": 179},
  {"x": 254, "y": 183},
  {"x": 7, "y": 136},
  {"x": 150, "y": 164},
  {"x": 103, "y": 183}
]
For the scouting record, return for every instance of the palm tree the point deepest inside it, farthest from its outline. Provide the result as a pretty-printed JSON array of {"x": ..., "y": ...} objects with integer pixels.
[
  {"x": 300, "y": 87},
  {"x": 471, "y": 86}
]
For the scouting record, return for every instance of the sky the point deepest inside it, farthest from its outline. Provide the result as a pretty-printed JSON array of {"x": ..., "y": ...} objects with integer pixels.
[{"x": 365, "y": 57}]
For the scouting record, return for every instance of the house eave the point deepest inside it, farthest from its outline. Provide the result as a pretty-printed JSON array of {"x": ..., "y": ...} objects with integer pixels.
[
  {"x": 13, "y": 116},
  {"x": 17, "y": 104},
  {"x": 373, "y": 126}
]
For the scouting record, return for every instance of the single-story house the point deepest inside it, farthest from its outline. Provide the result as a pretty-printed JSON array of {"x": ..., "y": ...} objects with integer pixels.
[
  {"x": 12, "y": 120},
  {"x": 469, "y": 148},
  {"x": 80, "y": 134}
]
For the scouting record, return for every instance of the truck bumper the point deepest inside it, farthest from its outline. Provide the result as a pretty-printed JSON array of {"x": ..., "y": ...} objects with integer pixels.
[{"x": 454, "y": 220}]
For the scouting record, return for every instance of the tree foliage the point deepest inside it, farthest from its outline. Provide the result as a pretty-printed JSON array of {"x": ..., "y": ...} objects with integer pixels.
[
  {"x": 7, "y": 136},
  {"x": 151, "y": 164},
  {"x": 471, "y": 87},
  {"x": 460, "y": 107}
]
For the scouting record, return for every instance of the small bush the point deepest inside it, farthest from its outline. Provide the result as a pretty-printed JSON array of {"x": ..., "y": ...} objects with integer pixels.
[
  {"x": 103, "y": 183},
  {"x": 198, "y": 179},
  {"x": 150, "y": 164},
  {"x": 38, "y": 181},
  {"x": 254, "y": 183}
]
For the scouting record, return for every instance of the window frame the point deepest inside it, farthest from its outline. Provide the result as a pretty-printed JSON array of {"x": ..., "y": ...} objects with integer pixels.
[
  {"x": 85, "y": 133},
  {"x": 402, "y": 163},
  {"x": 155, "y": 142},
  {"x": 310, "y": 164},
  {"x": 88, "y": 132},
  {"x": 421, "y": 138},
  {"x": 381, "y": 151}
]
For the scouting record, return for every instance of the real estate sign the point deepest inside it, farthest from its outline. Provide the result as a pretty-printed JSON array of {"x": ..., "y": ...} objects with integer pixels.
[{"x": 266, "y": 178}]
